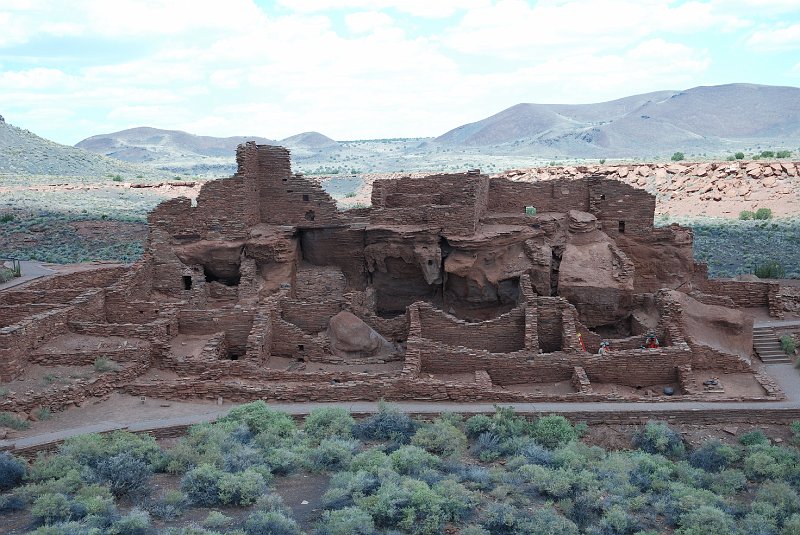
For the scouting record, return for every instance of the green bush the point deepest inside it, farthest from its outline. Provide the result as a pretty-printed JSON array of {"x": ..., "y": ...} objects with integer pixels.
[
  {"x": 713, "y": 456},
  {"x": 767, "y": 154},
  {"x": 676, "y": 157},
  {"x": 242, "y": 488},
  {"x": 124, "y": 474},
  {"x": 332, "y": 454},
  {"x": 259, "y": 417},
  {"x": 746, "y": 215},
  {"x": 347, "y": 521},
  {"x": 136, "y": 522},
  {"x": 739, "y": 156},
  {"x": 783, "y": 154},
  {"x": 201, "y": 485},
  {"x": 441, "y": 438},
  {"x": 788, "y": 344},
  {"x": 530, "y": 210},
  {"x": 658, "y": 437},
  {"x": 49, "y": 508},
  {"x": 552, "y": 431},
  {"x": 9, "y": 420},
  {"x": 216, "y": 520},
  {"x": 271, "y": 523},
  {"x": 411, "y": 460},
  {"x": 329, "y": 422},
  {"x": 770, "y": 270},
  {"x": 12, "y": 470},
  {"x": 706, "y": 520},
  {"x": 504, "y": 423},
  {"x": 6, "y": 218},
  {"x": 763, "y": 214},
  {"x": 409, "y": 505},
  {"x": 388, "y": 424}
]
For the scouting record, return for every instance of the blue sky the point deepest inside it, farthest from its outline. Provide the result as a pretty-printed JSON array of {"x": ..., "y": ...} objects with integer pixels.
[{"x": 356, "y": 69}]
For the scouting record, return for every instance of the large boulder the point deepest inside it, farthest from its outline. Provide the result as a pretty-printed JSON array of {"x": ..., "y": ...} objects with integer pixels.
[{"x": 351, "y": 338}]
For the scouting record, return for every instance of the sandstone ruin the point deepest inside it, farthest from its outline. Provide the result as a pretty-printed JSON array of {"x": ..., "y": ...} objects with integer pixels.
[{"x": 450, "y": 287}]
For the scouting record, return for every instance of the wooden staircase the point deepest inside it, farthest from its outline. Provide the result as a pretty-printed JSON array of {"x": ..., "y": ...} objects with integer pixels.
[{"x": 767, "y": 346}]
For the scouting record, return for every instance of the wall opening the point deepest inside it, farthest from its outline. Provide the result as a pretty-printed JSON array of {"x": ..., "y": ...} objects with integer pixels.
[
  {"x": 228, "y": 279},
  {"x": 602, "y": 196},
  {"x": 305, "y": 198},
  {"x": 310, "y": 215},
  {"x": 622, "y": 227},
  {"x": 187, "y": 282}
]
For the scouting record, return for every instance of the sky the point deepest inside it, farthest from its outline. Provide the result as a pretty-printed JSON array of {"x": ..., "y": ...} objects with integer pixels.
[{"x": 365, "y": 69}]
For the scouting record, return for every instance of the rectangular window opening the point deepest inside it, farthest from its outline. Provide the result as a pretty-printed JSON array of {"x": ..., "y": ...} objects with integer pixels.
[{"x": 622, "y": 227}]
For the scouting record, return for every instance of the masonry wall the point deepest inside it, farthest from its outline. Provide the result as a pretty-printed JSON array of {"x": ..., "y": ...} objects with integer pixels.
[
  {"x": 235, "y": 323},
  {"x": 341, "y": 247},
  {"x": 613, "y": 202},
  {"x": 453, "y": 203},
  {"x": 505, "y": 334},
  {"x": 510, "y": 197}
]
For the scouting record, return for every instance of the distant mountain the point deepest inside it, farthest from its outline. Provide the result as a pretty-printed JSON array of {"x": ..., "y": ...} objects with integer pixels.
[
  {"x": 23, "y": 152},
  {"x": 153, "y": 145},
  {"x": 642, "y": 124},
  {"x": 310, "y": 140}
]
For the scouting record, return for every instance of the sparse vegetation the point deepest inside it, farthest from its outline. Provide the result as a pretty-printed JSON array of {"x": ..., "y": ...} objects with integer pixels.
[
  {"x": 530, "y": 210},
  {"x": 788, "y": 344},
  {"x": 771, "y": 269},
  {"x": 677, "y": 157},
  {"x": 104, "y": 364},
  {"x": 783, "y": 154},
  {"x": 739, "y": 156},
  {"x": 9, "y": 420},
  {"x": 746, "y": 215},
  {"x": 763, "y": 214},
  {"x": 540, "y": 479}
]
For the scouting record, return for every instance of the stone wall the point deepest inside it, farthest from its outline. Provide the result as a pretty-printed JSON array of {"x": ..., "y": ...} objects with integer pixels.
[{"x": 505, "y": 334}]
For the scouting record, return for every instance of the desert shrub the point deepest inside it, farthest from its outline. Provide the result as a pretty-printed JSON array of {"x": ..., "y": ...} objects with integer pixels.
[
  {"x": 487, "y": 447},
  {"x": 136, "y": 522},
  {"x": 90, "y": 449},
  {"x": 473, "y": 530},
  {"x": 547, "y": 520},
  {"x": 781, "y": 496},
  {"x": 124, "y": 474},
  {"x": 761, "y": 465},
  {"x": 752, "y": 438},
  {"x": 344, "y": 486},
  {"x": 168, "y": 506},
  {"x": 739, "y": 156},
  {"x": 500, "y": 519},
  {"x": 746, "y": 215},
  {"x": 552, "y": 431},
  {"x": 658, "y": 437},
  {"x": 678, "y": 156},
  {"x": 771, "y": 269},
  {"x": 788, "y": 344},
  {"x": 347, "y": 521},
  {"x": 332, "y": 454},
  {"x": 238, "y": 458},
  {"x": 706, "y": 520},
  {"x": 441, "y": 438},
  {"x": 270, "y": 523},
  {"x": 791, "y": 526},
  {"x": 411, "y": 460},
  {"x": 259, "y": 417},
  {"x": 282, "y": 461},
  {"x": 12, "y": 470},
  {"x": 373, "y": 460},
  {"x": 242, "y": 488},
  {"x": 457, "y": 500},
  {"x": 10, "y": 503},
  {"x": 504, "y": 423},
  {"x": 783, "y": 154},
  {"x": 757, "y": 524},
  {"x": 530, "y": 210},
  {"x": 388, "y": 424},
  {"x": 329, "y": 422},
  {"x": 9, "y": 420},
  {"x": 763, "y": 214},
  {"x": 270, "y": 502},
  {"x": 50, "y": 508},
  {"x": 216, "y": 520},
  {"x": 767, "y": 154},
  {"x": 409, "y": 505},
  {"x": 103, "y": 364},
  {"x": 713, "y": 456},
  {"x": 725, "y": 482},
  {"x": 201, "y": 485}
]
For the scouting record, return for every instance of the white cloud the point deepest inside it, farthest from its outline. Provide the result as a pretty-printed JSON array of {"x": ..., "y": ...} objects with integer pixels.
[
  {"x": 367, "y": 21},
  {"x": 418, "y": 8},
  {"x": 37, "y": 78},
  {"x": 776, "y": 38}
]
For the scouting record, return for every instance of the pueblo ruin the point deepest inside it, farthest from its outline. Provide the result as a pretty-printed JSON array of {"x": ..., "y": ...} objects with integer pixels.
[{"x": 453, "y": 287}]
